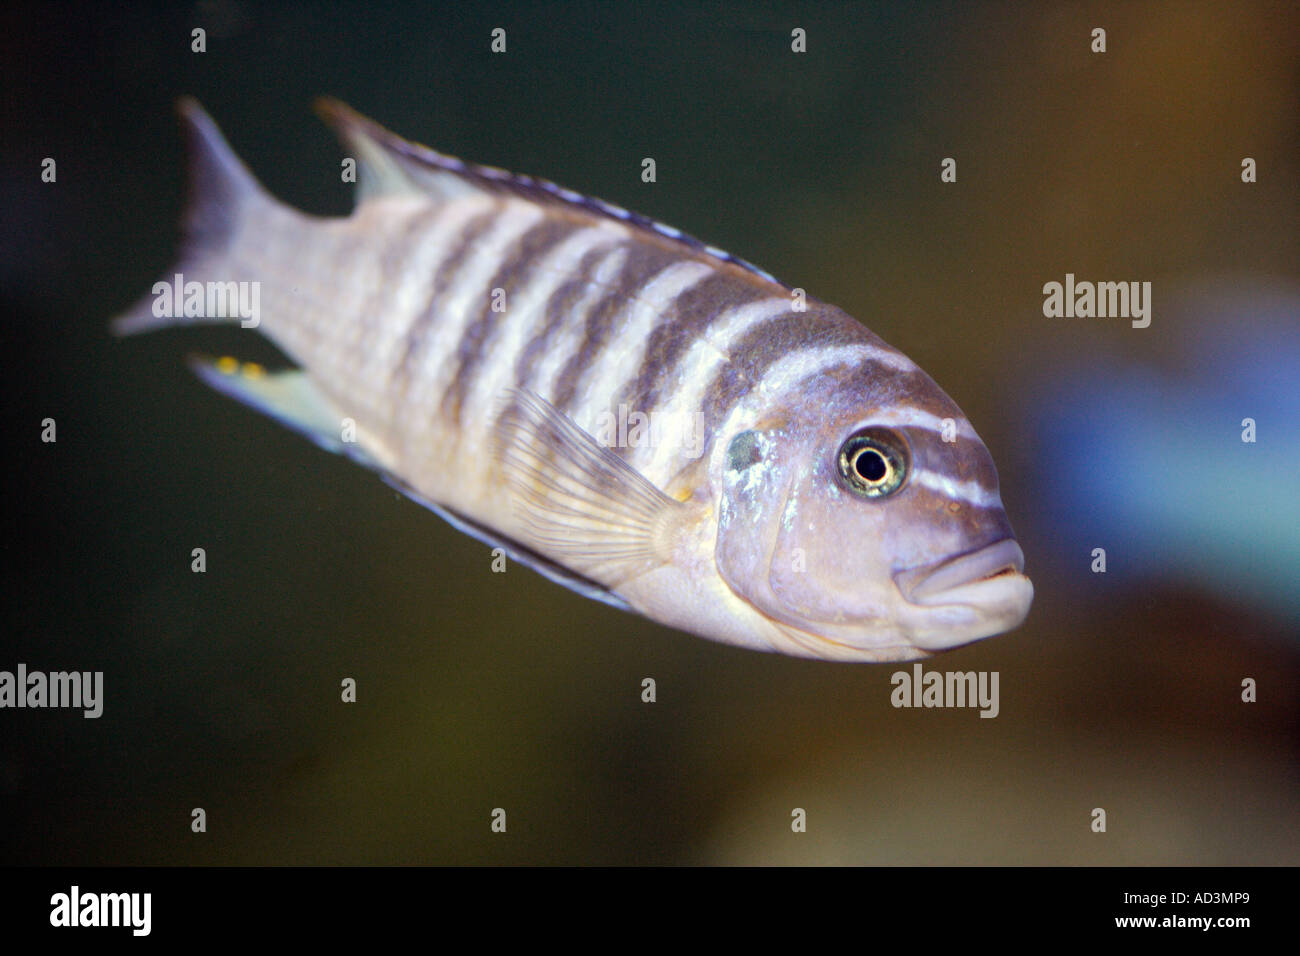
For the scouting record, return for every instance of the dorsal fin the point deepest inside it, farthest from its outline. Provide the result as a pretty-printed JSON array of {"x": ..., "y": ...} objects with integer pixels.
[{"x": 390, "y": 165}]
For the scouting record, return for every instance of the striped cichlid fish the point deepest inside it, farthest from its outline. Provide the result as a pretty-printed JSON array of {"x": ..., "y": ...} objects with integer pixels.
[{"x": 634, "y": 414}]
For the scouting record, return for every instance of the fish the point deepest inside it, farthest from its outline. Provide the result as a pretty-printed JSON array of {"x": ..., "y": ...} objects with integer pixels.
[{"x": 636, "y": 415}]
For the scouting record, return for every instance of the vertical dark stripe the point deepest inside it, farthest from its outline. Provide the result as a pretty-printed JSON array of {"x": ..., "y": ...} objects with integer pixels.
[
  {"x": 644, "y": 262},
  {"x": 359, "y": 250},
  {"x": 766, "y": 344},
  {"x": 418, "y": 332},
  {"x": 516, "y": 269},
  {"x": 394, "y": 260},
  {"x": 844, "y": 382},
  {"x": 551, "y": 318},
  {"x": 696, "y": 310}
]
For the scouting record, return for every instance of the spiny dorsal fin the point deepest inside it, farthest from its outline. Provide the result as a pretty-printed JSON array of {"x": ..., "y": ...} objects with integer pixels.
[{"x": 391, "y": 165}]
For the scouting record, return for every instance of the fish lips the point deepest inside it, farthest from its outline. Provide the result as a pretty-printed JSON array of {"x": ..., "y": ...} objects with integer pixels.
[{"x": 961, "y": 578}]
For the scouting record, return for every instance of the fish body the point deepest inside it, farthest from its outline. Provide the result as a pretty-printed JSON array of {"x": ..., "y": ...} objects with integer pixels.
[{"x": 637, "y": 415}]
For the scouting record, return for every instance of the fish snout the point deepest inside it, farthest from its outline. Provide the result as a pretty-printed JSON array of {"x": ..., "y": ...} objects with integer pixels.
[{"x": 949, "y": 580}]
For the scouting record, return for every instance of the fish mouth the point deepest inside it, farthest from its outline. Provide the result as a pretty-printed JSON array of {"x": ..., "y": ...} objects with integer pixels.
[{"x": 951, "y": 580}]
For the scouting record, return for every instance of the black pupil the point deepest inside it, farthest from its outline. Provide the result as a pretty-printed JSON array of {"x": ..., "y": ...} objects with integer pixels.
[{"x": 870, "y": 465}]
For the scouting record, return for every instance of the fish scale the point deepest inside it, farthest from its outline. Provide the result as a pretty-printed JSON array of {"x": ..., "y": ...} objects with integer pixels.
[
  {"x": 736, "y": 507},
  {"x": 531, "y": 307}
]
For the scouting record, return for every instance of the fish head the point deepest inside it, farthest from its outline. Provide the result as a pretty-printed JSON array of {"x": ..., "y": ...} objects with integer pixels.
[{"x": 866, "y": 524}]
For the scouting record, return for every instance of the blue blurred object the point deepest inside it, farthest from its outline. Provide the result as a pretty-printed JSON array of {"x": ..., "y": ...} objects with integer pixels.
[{"x": 1152, "y": 465}]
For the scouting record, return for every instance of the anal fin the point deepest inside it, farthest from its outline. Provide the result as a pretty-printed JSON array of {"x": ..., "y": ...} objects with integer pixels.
[{"x": 288, "y": 396}]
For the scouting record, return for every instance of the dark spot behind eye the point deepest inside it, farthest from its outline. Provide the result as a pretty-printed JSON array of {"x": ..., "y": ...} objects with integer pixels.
[{"x": 744, "y": 451}]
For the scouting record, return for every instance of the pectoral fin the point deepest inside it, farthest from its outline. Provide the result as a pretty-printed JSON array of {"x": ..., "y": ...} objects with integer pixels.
[{"x": 579, "y": 501}]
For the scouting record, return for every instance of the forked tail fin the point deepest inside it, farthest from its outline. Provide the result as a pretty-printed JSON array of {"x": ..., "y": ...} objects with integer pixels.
[{"x": 225, "y": 203}]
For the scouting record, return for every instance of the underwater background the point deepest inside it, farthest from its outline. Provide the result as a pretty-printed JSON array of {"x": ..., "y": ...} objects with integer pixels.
[{"x": 475, "y": 690}]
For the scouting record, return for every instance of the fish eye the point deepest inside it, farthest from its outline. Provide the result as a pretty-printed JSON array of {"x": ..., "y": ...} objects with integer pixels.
[{"x": 873, "y": 462}]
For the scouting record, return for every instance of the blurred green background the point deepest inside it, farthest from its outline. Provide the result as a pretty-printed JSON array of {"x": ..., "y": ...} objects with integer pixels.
[{"x": 479, "y": 690}]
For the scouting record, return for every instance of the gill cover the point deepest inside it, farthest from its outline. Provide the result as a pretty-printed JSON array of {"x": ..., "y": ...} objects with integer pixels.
[{"x": 781, "y": 545}]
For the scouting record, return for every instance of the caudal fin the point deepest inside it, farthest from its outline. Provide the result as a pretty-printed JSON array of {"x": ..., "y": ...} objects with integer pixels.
[{"x": 224, "y": 199}]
